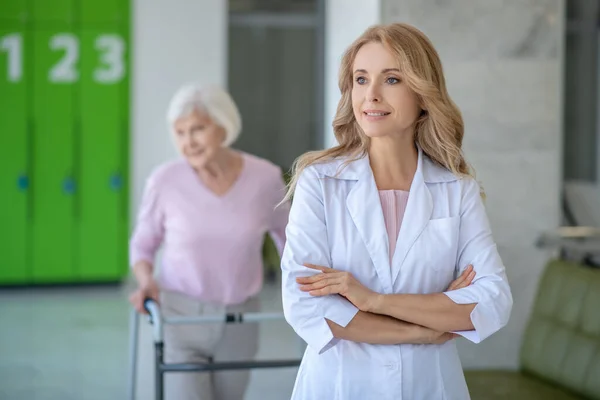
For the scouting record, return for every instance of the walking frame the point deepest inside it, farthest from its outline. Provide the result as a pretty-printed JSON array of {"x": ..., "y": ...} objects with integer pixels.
[{"x": 158, "y": 321}]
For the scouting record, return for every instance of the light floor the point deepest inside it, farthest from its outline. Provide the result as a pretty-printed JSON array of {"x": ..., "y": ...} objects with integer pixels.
[{"x": 73, "y": 344}]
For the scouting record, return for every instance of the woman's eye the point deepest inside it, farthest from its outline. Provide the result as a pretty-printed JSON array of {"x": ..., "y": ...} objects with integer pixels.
[
  {"x": 361, "y": 80},
  {"x": 392, "y": 81}
]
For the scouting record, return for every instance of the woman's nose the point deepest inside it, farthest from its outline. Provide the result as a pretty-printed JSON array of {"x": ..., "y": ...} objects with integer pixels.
[
  {"x": 186, "y": 139},
  {"x": 373, "y": 94}
]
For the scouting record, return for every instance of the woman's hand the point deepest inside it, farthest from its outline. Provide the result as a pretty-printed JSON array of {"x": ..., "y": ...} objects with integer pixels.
[
  {"x": 463, "y": 280},
  {"x": 147, "y": 290},
  {"x": 429, "y": 336},
  {"x": 332, "y": 281}
]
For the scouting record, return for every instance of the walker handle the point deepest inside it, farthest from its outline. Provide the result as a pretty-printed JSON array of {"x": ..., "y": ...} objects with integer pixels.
[
  {"x": 154, "y": 315},
  {"x": 149, "y": 304}
]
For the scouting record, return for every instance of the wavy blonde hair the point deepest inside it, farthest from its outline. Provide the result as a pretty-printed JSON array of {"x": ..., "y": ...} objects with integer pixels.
[{"x": 439, "y": 129}]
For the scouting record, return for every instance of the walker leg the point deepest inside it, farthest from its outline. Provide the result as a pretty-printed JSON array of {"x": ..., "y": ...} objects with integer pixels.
[
  {"x": 159, "y": 374},
  {"x": 134, "y": 323}
]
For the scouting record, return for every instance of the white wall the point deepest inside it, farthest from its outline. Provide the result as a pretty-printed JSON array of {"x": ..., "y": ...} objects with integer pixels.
[
  {"x": 345, "y": 20},
  {"x": 175, "y": 42}
]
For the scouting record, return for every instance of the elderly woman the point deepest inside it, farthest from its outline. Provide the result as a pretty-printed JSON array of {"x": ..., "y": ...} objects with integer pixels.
[{"x": 210, "y": 210}]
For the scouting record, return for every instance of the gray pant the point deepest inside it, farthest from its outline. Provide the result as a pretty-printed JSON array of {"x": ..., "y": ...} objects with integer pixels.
[{"x": 196, "y": 343}]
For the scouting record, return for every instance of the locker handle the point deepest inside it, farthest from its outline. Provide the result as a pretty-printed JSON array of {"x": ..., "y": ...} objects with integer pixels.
[
  {"x": 23, "y": 182},
  {"x": 69, "y": 185},
  {"x": 116, "y": 182}
]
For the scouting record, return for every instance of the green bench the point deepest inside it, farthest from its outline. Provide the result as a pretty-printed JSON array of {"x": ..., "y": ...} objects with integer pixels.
[{"x": 560, "y": 354}]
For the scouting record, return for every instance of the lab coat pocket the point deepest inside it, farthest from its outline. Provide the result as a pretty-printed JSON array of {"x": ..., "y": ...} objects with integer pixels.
[{"x": 440, "y": 246}]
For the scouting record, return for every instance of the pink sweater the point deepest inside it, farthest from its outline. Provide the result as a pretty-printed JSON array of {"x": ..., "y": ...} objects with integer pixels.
[
  {"x": 393, "y": 204},
  {"x": 212, "y": 246}
]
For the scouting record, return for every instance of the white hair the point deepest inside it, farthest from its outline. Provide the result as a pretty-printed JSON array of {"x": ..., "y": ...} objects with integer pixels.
[{"x": 213, "y": 100}]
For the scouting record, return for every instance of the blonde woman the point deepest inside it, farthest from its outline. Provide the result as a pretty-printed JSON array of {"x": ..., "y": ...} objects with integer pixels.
[
  {"x": 210, "y": 210},
  {"x": 380, "y": 226}
]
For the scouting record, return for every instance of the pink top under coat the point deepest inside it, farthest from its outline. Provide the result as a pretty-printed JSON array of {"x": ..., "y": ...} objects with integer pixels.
[{"x": 393, "y": 205}]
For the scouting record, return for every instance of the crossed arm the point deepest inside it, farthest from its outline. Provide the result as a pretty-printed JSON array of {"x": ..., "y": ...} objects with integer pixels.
[
  {"x": 371, "y": 328},
  {"x": 414, "y": 311},
  {"x": 391, "y": 319}
]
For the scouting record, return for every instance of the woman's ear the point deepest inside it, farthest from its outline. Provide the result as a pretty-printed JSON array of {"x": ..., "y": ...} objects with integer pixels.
[
  {"x": 422, "y": 105},
  {"x": 222, "y": 134}
]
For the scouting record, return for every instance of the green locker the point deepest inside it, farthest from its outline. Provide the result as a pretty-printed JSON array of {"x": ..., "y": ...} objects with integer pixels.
[
  {"x": 55, "y": 70},
  {"x": 102, "y": 199},
  {"x": 64, "y": 127},
  {"x": 53, "y": 11},
  {"x": 14, "y": 143},
  {"x": 113, "y": 12},
  {"x": 13, "y": 11}
]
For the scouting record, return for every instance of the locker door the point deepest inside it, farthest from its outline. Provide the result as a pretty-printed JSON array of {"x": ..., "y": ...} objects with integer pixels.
[
  {"x": 107, "y": 11},
  {"x": 55, "y": 70},
  {"x": 13, "y": 10},
  {"x": 61, "y": 11},
  {"x": 102, "y": 215},
  {"x": 13, "y": 156}
]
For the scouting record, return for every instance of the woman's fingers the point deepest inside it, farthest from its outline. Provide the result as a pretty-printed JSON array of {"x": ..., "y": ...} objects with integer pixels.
[
  {"x": 455, "y": 283},
  {"x": 448, "y": 336},
  {"x": 319, "y": 284},
  {"x": 317, "y": 277},
  {"x": 469, "y": 273},
  {"x": 333, "y": 288},
  {"x": 305, "y": 280},
  {"x": 319, "y": 268},
  {"x": 444, "y": 337},
  {"x": 329, "y": 281},
  {"x": 136, "y": 299},
  {"x": 470, "y": 278},
  {"x": 464, "y": 280}
]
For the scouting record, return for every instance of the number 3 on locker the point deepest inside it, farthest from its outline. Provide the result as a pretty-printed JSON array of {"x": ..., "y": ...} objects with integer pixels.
[
  {"x": 111, "y": 49},
  {"x": 112, "y": 56}
]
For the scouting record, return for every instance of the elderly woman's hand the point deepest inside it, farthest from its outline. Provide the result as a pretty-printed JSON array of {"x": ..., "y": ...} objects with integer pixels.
[
  {"x": 332, "y": 281},
  {"x": 149, "y": 290}
]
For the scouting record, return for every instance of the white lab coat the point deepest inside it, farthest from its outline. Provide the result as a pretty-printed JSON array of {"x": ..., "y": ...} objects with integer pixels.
[{"x": 336, "y": 220}]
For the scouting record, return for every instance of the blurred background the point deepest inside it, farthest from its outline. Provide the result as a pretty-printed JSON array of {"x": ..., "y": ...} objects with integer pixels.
[{"x": 84, "y": 88}]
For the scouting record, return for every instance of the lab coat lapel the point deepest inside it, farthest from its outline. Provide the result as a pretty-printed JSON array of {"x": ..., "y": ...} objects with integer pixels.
[
  {"x": 364, "y": 206},
  {"x": 418, "y": 212}
]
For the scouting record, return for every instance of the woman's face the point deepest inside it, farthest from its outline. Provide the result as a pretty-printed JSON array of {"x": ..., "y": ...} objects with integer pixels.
[
  {"x": 198, "y": 138},
  {"x": 383, "y": 104}
]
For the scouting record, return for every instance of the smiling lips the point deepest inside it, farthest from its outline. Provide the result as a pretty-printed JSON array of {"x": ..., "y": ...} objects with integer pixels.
[
  {"x": 196, "y": 153},
  {"x": 374, "y": 115}
]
